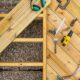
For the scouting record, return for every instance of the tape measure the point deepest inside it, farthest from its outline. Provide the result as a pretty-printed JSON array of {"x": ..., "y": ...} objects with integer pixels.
[{"x": 67, "y": 38}]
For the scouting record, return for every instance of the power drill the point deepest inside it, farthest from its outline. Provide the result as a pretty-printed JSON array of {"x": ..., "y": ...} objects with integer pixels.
[{"x": 67, "y": 38}]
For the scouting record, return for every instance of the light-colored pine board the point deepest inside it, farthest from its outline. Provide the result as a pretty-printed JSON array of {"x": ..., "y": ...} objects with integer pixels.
[
  {"x": 5, "y": 14},
  {"x": 28, "y": 40},
  {"x": 19, "y": 26},
  {"x": 51, "y": 74},
  {"x": 44, "y": 44},
  {"x": 21, "y": 64},
  {"x": 57, "y": 65}
]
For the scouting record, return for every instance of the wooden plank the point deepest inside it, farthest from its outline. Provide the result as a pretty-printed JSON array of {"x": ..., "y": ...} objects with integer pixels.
[
  {"x": 57, "y": 65},
  {"x": 51, "y": 74},
  {"x": 54, "y": 20},
  {"x": 21, "y": 64},
  {"x": 19, "y": 26},
  {"x": 44, "y": 44},
  {"x": 53, "y": 58},
  {"x": 28, "y": 40},
  {"x": 5, "y": 14}
]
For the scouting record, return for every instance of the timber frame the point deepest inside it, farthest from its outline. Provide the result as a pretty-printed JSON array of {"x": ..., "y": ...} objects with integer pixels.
[{"x": 35, "y": 40}]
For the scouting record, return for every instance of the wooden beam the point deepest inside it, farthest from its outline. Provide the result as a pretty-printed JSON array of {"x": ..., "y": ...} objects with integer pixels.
[
  {"x": 58, "y": 65},
  {"x": 5, "y": 14},
  {"x": 44, "y": 44},
  {"x": 11, "y": 64},
  {"x": 28, "y": 40},
  {"x": 51, "y": 74}
]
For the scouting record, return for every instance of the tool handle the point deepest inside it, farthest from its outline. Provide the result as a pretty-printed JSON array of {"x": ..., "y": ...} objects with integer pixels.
[
  {"x": 55, "y": 46},
  {"x": 55, "y": 49},
  {"x": 43, "y": 2},
  {"x": 70, "y": 33}
]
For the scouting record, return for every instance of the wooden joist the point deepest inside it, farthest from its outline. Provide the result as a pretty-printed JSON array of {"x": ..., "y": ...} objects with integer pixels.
[
  {"x": 44, "y": 43},
  {"x": 11, "y": 64},
  {"x": 2, "y": 15},
  {"x": 57, "y": 65},
  {"x": 51, "y": 74},
  {"x": 28, "y": 40}
]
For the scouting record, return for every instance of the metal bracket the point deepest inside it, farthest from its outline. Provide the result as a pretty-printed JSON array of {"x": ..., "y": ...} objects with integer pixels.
[{"x": 63, "y": 6}]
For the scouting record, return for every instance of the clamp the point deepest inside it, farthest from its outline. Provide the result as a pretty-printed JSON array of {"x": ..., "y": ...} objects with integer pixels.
[{"x": 63, "y": 6}]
